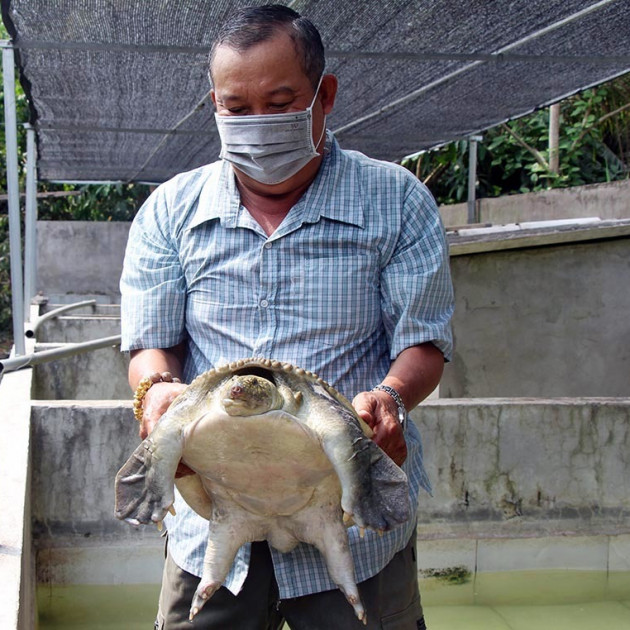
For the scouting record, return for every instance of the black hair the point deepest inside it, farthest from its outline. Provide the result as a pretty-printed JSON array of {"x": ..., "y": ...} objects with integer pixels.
[{"x": 254, "y": 25}]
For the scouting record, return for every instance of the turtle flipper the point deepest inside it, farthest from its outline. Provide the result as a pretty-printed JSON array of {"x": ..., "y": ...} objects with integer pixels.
[
  {"x": 144, "y": 485},
  {"x": 377, "y": 492}
]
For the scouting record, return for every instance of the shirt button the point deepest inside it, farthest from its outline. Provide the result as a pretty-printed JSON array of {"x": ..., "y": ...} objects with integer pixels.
[
  {"x": 268, "y": 245},
  {"x": 264, "y": 303}
]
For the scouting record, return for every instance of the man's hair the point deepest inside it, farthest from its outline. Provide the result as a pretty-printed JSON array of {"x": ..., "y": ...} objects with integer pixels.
[{"x": 254, "y": 25}]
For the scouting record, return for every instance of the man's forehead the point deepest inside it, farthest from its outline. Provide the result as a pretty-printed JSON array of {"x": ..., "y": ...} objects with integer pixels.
[
  {"x": 278, "y": 50},
  {"x": 229, "y": 94}
]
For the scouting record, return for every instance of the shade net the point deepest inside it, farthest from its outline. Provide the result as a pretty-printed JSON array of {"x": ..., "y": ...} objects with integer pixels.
[{"x": 119, "y": 88}]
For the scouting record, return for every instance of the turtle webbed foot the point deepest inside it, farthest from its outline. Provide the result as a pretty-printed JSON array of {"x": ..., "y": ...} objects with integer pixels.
[
  {"x": 380, "y": 498},
  {"x": 143, "y": 494}
]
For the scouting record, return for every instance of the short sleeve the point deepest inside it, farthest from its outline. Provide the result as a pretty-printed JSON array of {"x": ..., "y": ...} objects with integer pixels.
[
  {"x": 416, "y": 286},
  {"x": 152, "y": 285}
]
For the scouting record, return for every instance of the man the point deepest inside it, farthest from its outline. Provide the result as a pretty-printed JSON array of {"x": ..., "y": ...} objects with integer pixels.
[{"x": 293, "y": 249}]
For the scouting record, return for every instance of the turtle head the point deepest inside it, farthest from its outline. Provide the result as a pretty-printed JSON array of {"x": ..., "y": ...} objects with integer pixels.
[{"x": 249, "y": 395}]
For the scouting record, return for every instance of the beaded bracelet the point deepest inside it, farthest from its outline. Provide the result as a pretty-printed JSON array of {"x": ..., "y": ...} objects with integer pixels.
[{"x": 144, "y": 386}]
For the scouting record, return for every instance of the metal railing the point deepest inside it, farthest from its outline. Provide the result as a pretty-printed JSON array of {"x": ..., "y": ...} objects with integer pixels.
[
  {"x": 23, "y": 284},
  {"x": 13, "y": 192},
  {"x": 64, "y": 350},
  {"x": 32, "y": 327}
]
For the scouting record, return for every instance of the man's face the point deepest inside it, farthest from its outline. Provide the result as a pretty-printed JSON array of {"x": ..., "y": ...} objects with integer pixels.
[{"x": 268, "y": 79}]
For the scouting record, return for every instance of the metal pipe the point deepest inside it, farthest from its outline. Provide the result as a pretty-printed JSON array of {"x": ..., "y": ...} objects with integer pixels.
[
  {"x": 30, "y": 222},
  {"x": 15, "y": 244},
  {"x": 554, "y": 139},
  {"x": 32, "y": 329},
  {"x": 67, "y": 350},
  {"x": 472, "y": 179}
]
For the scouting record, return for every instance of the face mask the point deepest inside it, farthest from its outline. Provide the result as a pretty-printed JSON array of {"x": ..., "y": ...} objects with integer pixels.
[{"x": 272, "y": 147}]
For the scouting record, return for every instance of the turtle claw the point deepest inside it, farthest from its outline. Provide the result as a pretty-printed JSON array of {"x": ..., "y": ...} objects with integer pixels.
[
  {"x": 355, "y": 601},
  {"x": 202, "y": 595}
]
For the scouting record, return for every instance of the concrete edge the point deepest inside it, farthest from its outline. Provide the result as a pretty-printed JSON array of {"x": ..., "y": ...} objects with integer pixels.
[
  {"x": 17, "y": 574},
  {"x": 526, "y": 238},
  {"x": 476, "y": 402},
  {"x": 78, "y": 404}
]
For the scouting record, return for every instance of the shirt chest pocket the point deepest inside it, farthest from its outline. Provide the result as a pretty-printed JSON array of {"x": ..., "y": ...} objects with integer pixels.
[{"x": 336, "y": 300}]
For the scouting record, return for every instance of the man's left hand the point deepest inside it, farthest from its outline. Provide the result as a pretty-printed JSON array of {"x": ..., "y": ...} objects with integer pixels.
[{"x": 380, "y": 412}]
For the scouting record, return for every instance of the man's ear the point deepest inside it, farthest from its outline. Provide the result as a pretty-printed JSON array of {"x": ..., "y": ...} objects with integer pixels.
[
  {"x": 328, "y": 92},
  {"x": 213, "y": 96}
]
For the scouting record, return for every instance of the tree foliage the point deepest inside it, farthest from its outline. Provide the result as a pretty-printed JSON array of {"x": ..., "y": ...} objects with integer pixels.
[{"x": 594, "y": 146}]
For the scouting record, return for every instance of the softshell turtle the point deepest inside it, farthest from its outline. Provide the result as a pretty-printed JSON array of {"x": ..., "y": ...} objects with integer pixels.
[{"x": 279, "y": 455}]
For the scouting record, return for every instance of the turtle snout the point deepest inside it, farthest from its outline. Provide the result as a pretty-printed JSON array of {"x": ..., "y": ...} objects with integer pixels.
[{"x": 247, "y": 395}]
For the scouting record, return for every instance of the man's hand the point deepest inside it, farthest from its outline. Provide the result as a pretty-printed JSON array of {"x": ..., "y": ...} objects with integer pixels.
[
  {"x": 156, "y": 401},
  {"x": 380, "y": 412}
]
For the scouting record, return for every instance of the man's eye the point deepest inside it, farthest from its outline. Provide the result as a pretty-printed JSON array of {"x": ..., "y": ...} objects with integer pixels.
[
  {"x": 278, "y": 105},
  {"x": 236, "y": 110}
]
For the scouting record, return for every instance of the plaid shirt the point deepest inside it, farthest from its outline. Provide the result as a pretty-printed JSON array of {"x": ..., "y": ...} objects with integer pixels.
[{"x": 357, "y": 272}]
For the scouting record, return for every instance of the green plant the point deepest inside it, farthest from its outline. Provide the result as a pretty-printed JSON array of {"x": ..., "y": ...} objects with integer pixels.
[{"x": 513, "y": 157}]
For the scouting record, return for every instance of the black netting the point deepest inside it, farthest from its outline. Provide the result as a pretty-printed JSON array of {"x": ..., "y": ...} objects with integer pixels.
[{"x": 115, "y": 85}]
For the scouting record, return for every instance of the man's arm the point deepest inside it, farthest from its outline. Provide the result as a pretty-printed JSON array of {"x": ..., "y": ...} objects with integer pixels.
[
  {"x": 157, "y": 400},
  {"x": 414, "y": 374}
]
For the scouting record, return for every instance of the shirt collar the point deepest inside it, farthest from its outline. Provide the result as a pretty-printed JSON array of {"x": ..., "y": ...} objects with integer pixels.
[
  {"x": 333, "y": 194},
  {"x": 218, "y": 198}
]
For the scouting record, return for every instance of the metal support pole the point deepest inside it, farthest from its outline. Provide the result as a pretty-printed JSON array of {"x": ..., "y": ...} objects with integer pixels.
[
  {"x": 15, "y": 231},
  {"x": 30, "y": 221},
  {"x": 554, "y": 139},
  {"x": 472, "y": 179}
]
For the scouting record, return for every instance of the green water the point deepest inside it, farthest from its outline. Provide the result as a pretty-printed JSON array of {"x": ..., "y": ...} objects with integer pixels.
[
  {"x": 528, "y": 600},
  {"x": 86, "y": 607}
]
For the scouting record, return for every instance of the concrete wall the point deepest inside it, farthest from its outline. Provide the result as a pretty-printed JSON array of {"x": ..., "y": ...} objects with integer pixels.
[
  {"x": 96, "y": 375},
  {"x": 607, "y": 201},
  {"x": 502, "y": 470},
  {"x": 80, "y": 257},
  {"x": 521, "y": 467},
  {"x": 543, "y": 322},
  {"x": 77, "y": 451}
]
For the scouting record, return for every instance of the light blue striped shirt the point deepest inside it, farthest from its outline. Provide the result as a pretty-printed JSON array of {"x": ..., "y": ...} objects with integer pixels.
[{"x": 357, "y": 272}]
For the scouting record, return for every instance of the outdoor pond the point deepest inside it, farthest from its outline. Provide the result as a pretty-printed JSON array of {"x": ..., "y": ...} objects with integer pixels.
[{"x": 519, "y": 600}]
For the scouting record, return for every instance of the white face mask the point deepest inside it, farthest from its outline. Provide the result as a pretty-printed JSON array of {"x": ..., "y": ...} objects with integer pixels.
[{"x": 272, "y": 147}]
